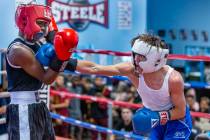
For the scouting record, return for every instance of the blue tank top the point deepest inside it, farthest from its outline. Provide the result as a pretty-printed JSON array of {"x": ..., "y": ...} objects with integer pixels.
[{"x": 18, "y": 79}]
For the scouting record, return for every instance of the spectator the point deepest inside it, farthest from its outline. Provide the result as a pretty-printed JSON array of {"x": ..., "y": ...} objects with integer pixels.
[
  {"x": 74, "y": 107},
  {"x": 207, "y": 72},
  {"x": 195, "y": 131},
  {"x": 85, "y": 105},
  {"x": 191, "y": 99},
  {"x": 204, "y": 105},
  {"x": 202, "y": 136},
  {"x": 125, "y": 124},
  {"x": 99, "y": 114},
  {"x": 59, "y": 104},
  {"x": 121, "y": 91},
  {"x": 204, "y": 123},
  {"x": 3, "y": 127},
  {"x": 86, "y": 84},
  {"x": 131, "y": 98}
]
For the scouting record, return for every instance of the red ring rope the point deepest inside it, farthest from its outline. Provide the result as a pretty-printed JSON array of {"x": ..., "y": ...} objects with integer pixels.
[
  {"x": 171, "y": 56},
  {"x": 118, "y": 103}
]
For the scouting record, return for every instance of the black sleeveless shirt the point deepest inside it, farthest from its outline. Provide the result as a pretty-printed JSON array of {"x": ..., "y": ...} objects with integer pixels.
[{"x": 18, "y": 79}]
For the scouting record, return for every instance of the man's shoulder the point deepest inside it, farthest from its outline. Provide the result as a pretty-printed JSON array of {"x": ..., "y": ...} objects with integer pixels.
[
  {"x": 17, "y": 50},
  {"x": 176, "y": 75},
  {"x": 19, "y": 53},
  {"x": 176, "y": 78},
  {"x": 19, "y": 47}
]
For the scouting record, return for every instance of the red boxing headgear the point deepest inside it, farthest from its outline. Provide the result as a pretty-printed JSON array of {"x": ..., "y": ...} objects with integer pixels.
[{"x": 26, "y": 17}]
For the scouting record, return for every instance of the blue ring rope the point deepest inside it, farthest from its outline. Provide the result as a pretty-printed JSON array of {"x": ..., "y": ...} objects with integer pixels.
[
  {"x": 193, "y": 84},
  {"x": 96, "y": 127}
]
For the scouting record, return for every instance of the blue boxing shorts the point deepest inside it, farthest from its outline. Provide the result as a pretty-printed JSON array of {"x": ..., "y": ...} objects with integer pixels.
[{"x": 173, "y": 130}]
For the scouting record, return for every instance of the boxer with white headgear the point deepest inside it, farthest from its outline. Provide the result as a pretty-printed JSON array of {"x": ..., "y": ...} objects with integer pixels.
[
  {"x": 156, "y": 57},
  {"x": 161, "y": 88}
]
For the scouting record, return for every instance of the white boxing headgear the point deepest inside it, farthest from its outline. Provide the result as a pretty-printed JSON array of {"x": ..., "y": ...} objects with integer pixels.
[{"x": 156, "y": 57}]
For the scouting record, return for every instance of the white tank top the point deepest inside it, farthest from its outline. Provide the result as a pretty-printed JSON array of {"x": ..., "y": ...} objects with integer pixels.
[{"x": 156, "y": 100}]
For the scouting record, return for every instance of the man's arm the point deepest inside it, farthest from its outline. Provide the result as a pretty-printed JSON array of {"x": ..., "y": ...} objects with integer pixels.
[
  {"x": 3, "y": 106},
  {"x": 123, "y": 69},
  {"x": 22, "y": 56},
  {"x": 64, "y": 104},
  {"x": 176, "y": 87}
]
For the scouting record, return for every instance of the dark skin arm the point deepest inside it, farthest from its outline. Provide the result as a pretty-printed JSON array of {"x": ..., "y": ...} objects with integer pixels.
[
  {"x": 19, "y": 55},
  {"x": 3, "y": 109},
  {"x": 60, "y": 105},
  {"x": 176, "y": 87}
]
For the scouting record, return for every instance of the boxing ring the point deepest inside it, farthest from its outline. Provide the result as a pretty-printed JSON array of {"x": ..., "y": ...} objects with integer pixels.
[{"x": 111, "y": 103}]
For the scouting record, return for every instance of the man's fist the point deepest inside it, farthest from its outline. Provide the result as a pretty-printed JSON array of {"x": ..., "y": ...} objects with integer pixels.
[{"x": 65, "y": 42}]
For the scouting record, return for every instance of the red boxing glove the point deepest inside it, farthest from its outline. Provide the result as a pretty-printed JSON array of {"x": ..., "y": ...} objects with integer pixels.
[{"x": 65, "y": 42}]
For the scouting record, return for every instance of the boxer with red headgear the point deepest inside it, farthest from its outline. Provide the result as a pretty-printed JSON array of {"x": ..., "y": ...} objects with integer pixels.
[
  {"x": 27, "y": 116},
  {"x": 28, "y": 18}
]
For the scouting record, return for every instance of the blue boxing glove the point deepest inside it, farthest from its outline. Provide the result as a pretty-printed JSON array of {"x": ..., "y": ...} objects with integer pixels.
[
  {"x": 144, "y": 120},
  {"x": 45, "y": 53}
]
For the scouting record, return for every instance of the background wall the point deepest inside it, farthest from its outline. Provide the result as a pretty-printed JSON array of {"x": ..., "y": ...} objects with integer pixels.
[
  {"x": 7, "y": 24},
  {"x": 96, "y": 36},
  {"x": 147, "y": 16},
  {"x": 177, "y": 15}
]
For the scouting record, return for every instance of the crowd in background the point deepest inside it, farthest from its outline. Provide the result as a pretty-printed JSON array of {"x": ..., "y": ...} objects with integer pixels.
[
  {"x": 89, "y": 111},
  {"x": 97, "y": 113}
]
